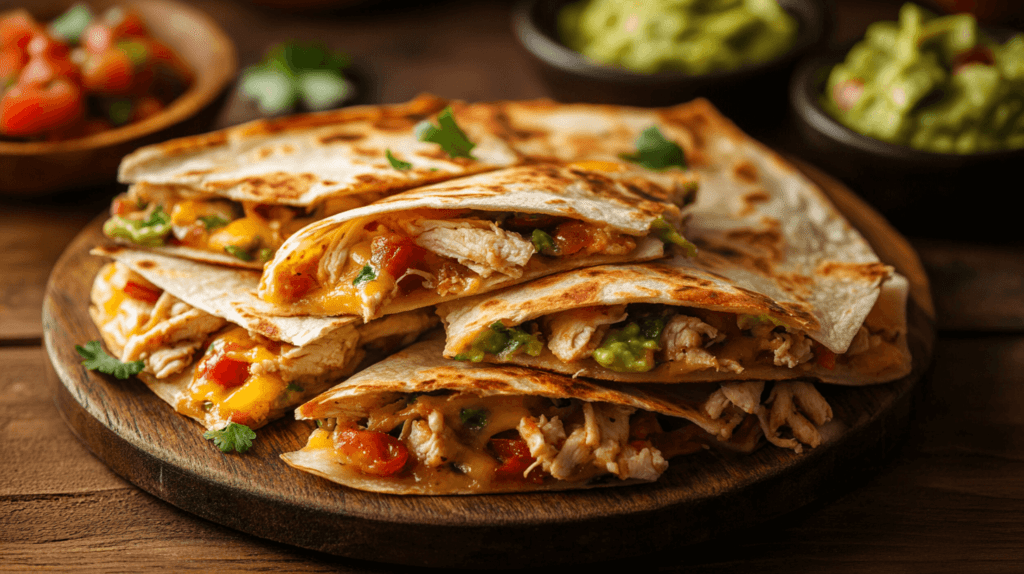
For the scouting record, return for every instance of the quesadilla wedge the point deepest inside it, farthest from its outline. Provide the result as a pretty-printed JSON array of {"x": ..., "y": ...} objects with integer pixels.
[
  {"x": 417, "y": 423},
  {"x": 212, "y": 360},
  {"x": 676, "y": 321},
  {"x": 233, "y": 196},
  {"x": 474, "y": 235}
]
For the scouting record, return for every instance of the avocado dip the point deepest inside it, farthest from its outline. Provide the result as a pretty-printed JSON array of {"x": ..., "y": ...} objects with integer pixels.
[
  {"x": 692, "y": 36},
  {"x": 937, "y": 84}
]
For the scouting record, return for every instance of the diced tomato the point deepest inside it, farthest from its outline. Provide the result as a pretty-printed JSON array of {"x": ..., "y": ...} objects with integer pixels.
[
  {"x": 122, "y": 205},
  {"x": 43, "y": 45},
  {"x": 17, "y": 29},
  {"x": 241, "y": 417},
  {"x": 141, "y": 292},
  {"x": 12, "y": 60},
  {"x": 395, "y": 254},
  {"x": 979, "y": 54},
  {"x": 31, "y": 110},
  {"x": 125, "y": 22},
  {"x": 301, "y": 281},
  {"x": 372, "y": 452},
  {"x": 515, "y": 459},
  {"x": 109, "y": 73},
  {"x": 847, "y": 93},
  {"x": 824, "y": 357},
  {"x": 40, "y": 70},
  {"x": 224, "y": 371},
  {"x": 572, "y": 237}
]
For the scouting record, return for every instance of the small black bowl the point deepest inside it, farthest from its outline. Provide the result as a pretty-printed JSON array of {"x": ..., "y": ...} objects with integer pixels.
[
  {"x": 920, "y": 191},
  {"x": 757, "y": 91}
]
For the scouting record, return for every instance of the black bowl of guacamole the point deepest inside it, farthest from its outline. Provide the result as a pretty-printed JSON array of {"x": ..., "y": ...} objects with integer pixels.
[{"x": 753, "y": 94}]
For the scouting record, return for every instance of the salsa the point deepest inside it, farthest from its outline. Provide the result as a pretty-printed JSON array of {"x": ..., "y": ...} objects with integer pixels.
[
  {"x": 82, "y": 74},
  {"x": 937, "y": 84},
  {"x": 695, "y": 37}
]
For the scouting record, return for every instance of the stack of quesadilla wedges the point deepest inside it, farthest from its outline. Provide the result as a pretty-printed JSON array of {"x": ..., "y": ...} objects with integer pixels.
[{"x": 600, "y": 316}]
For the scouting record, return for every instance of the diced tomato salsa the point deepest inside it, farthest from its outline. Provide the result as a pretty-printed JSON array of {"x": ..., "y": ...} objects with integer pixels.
[
  {"x": 80, "y": 76},
  {"x": 372, "y": 452},
  {"x": 515, "y": 459}
]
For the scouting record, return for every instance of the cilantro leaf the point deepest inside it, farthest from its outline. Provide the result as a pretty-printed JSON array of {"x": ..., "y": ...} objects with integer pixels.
[
  {"x": 234, "y": 437},
  {"x": 292, "y": 387},
  {"x": 397, "y": 163},
  {"x": 473, "y": 419},
  {"x": 294, "y": 72},
  {"x": 653, "y": 151},
  {"x": 96, "y": 359},
  {"x": 367, "y": 274},
  {"x": 543, "y": 242},
  {"x": 668, "y": 234},
  {"x": 236, "y": 251},
  {"x": 447, "y": 134}
]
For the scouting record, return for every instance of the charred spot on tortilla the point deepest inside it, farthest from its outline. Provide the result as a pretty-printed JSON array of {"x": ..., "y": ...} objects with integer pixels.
[
  {"x": 341, "y": 136},
  {"x": 143, "y": 264},
  {"x": 846, "y": 270},
  {"x": 745, "y": 171}
]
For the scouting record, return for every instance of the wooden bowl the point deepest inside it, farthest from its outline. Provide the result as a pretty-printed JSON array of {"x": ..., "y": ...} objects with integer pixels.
[
  {"x": 36, "y": 168},
  {"x": 751, "y": 94}
]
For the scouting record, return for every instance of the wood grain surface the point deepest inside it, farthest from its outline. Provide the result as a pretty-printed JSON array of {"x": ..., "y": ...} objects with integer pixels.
[{"x": 701, "y": 496}]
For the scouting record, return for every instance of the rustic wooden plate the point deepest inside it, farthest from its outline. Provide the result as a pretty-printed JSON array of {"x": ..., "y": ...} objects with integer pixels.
[{"x": 699, "y": 497}]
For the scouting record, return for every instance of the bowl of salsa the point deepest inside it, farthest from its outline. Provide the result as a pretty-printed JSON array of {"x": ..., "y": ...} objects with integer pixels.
[{"x": 81, "y": 85}]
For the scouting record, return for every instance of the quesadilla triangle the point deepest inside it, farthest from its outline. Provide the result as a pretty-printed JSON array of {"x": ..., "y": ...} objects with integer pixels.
[
  {"x": 213, "y": 360},
  {"x": 233, "y": 196},
  {"x": 416, "y": 423},
  {"x": 476, "y": 234},
  {"x": 673, "y": 321}
]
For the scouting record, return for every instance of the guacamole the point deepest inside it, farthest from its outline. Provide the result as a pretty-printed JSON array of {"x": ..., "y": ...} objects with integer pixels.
[
  {"x": 692, "y": 36},
  {"x": 500, "y": 340},
  {"x": 933, "y": 83},
  {"x": 630, "y": 349}
]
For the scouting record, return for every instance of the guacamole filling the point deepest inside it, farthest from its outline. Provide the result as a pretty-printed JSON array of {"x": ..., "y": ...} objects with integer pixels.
[
  {"x": 666, "y": 35},
  {"x": 937, "y": 84}
]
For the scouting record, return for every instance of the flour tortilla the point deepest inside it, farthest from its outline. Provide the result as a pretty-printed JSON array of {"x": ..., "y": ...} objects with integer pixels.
[
  {"x": 422, "y": 369},
  {"x": 628, "y": 201}
]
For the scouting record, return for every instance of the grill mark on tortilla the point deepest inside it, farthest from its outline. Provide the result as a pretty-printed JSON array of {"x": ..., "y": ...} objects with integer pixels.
[
  {"x": 341, "y": 136},
  {"x": 844, "y": 270},
  {"x": 768, "y": 241},
  {"x": 197, "y": 172},
  {"x": 275, "y": 185},
  {"x": 371, "y": 152},
  {"x": 147, "y": 264},
  {"x": 745, "y": 171},
  {"x": 191, "y": 145},
  {"x": 750, "y": 201}
]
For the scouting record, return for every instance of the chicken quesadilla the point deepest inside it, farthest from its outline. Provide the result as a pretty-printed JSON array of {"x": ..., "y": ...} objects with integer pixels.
[
  {"x": 233, "y": 196},
  {"x": 673, "y": 321},
  {"x": 215, "y": 362},
  {"x": 417, "y": 423},
  {"x": 476, "y": 234}
]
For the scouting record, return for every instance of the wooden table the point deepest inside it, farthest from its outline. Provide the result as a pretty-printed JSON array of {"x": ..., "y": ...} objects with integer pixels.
[{"x": 949, "y": 499}]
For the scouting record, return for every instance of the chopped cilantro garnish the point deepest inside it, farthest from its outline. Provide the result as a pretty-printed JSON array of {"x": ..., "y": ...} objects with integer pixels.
[
  {"x": 238, "y": 252},
  {"x": 447, "y": 134},
  {"x": 96, "y": 359},
  {"x": 543, "y": 242},
  {"x": 653, "y": 151},
  {"x": 748, "y": 322},
  {"x": 397, "y": 163},
  {"x": 265, "y": 254},
  {"x": 367, "y": 274},
  {"x": 294, "y": 71},
  {"x": 668, "y": 234},
  {"x": 234, "y": 437},
  {"x": 70, "y": 25},
  {"x": 473, "y": 419},
  {"x": 212, "y": 221},
  {"x": 294, "y": 388}
]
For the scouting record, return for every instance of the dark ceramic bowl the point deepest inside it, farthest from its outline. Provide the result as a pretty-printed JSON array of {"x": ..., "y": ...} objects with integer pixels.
[
  {"x": 757, "y": 90},
  {"x": 918, "y": 188}
]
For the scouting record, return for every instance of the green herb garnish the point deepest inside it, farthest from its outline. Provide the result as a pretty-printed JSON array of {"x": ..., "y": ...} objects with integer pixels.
[
  {"x": 667, "y": 233},
  {"x": 265, "y": 254},
  {"x": 473, "y": 419},
  {"x": 543, "y": 242},
  {"x": 96, "y": 359},
  {"x": 367, "y": 274},
  {"x": 397, "y": 163},
  {"x": 70, "y": 25},
  {"x": 748, "y": 322},
  {"x": 447, "y": 134},
  {"x": 295, "y": 72},
  {"x": 292, "y": 387},
  {"x": 234, "y": 437},
  {"x": 238, "y": 252},
  {"x": 212, "y": 221},
  {"x": 653, "y": 151}
]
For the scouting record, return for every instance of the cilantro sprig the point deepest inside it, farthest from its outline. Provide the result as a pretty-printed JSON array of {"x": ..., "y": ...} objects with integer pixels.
[
  {"x": 366, "y": 274},
  {"x": 298, "y": 72},
  {"x": 96, "y": 359},
  {"x": 397, "y": 163},
  {"x": 653, "y": 151},
  {"x": 234, "y": 437},
  {"x": 446, "y": 134}
]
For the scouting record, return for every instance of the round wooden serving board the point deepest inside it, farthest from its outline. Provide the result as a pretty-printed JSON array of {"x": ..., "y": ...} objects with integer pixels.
[{"x": 701, "y": 496}]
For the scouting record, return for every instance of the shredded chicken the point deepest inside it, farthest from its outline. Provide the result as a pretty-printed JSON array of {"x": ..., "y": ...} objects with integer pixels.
[
  {"x": 744, "y": 394},
  {"x": 480, "y": 245},
  {"x": 174, "y": 331},
  {"x": 574, "y": 334},
  {"x": 790, "y": 349},
  {"x": 452, "y": 280},
  {"x": 602, "y": 441},
  {"x": 432, "y": 441},
  {"x": 328, "y": 357},
  {"x": 684, "y": 342},
  {"x": 792, "y": 403}
]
